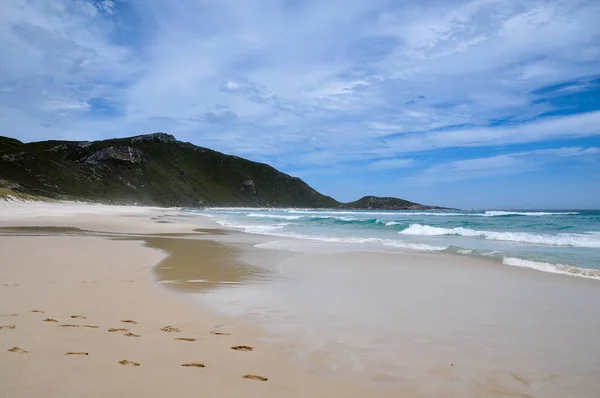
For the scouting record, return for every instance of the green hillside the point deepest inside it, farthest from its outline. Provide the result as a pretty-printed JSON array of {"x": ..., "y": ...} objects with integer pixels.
[{"x": 153, "y": 169}]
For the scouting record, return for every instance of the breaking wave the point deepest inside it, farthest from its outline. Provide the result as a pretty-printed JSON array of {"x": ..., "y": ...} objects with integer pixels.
[
  {"x": 285, "y": 217},
  {"x": 553, "y": 268},
  {"x": 575, "y": 240},
  {"x": 524, "y": 213}
]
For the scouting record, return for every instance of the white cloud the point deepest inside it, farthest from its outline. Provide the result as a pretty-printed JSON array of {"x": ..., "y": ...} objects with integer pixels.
[
  {"x": 561, "y": 152},
  {"x": 108, "y": 6},
  {"x": 385, "y": 126},
  {"x": 347, "y": 74},
  {"x": 57, "y": 105},
  {"x": 511, "y": 163},
  {"x": 480, "y": 164},
  {"x": 572, "y": 126}
]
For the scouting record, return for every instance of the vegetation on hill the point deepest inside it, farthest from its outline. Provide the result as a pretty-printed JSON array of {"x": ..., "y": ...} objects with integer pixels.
[
  {"x": 9, "y": 194},
  {"x": 375, "y": 202},
  {"x": 156, "y": 169}
]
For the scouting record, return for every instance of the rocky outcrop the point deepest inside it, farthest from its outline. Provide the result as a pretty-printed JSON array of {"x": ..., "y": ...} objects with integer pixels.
[
  {"x": 16, "y": 157},
  {"x": 155, "y": 137},
  {"x": 249, "y": 185},
  {"x": 124, "y": 153}
]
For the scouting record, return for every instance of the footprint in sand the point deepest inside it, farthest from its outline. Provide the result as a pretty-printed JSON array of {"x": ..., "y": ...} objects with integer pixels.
[
  {"x": 78, "y": 317},
  {"x": 13, "y": 314},
  {"x": 131, "y": 335},
  {"x": 126, "y": 362},
  {"x": 255, "y": 377},
  {"x": 68, "y": 326},
  {"x": 17, "y": 350},
  {"x": 129, "y": 321},
  {"x": 170, "y": 329},
  {"x": 185, "y": 339},
  {"x": 220, "y": 333},
  {"x": 194, "y": 365},
  {"x": 242, "y": 348},
  {"x": 118, "y": 330},
  {"x": 91, "y": 326},
  {"x": 7, "y": 327},
  {"x": 77, "y": 353},
  {"x": 38, "y": 311},
  {"x": 50, "y": 320}
]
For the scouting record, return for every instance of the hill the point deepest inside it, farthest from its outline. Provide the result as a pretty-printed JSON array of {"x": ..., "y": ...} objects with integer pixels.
[
  {"x": 157, "y": 169},
  {"x": 386, "y": 203}
]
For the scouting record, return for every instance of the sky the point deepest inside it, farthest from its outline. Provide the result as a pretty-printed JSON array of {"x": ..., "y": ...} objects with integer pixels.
[{"x": 461, "y": 103}]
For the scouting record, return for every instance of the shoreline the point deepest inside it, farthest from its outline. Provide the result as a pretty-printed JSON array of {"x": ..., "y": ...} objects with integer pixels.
[
  {"x": 300, "y": 353},
  {"x": 287, "y": 225},
  {"x": 109, "y": 280}
]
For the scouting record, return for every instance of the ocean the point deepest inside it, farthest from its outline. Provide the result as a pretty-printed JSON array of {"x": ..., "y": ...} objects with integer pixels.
[{"x": 563, "y": 242}]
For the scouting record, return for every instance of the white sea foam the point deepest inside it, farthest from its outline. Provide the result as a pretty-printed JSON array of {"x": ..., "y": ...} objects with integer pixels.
[
  {"x": 413, "y": 246},
  {"x": 378, "y": 213},
  {"x": 524, "y": 213},
  {"x": 370, "y": 241},
  {"x": 242, "y": 209},
  {"x": 553, "y": 268},
  {"x": 320, "y": 212},
  {"x": 427, "y": 213},
  {"x": 490, "y": 254},
  {"x": 267, "y": 229},
  {"x": 575, "y": 240},
  {"x": 391, "y": 223},
  {"x": 275, "y": 230},
  {"x": 296, "y": 214},
  {"x": 260, "y": 215},
  {"x": 308, "y": 216}
]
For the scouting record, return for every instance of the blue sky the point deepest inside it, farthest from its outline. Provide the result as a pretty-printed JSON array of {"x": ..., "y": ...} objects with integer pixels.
[{"x": 465, "y": 103}]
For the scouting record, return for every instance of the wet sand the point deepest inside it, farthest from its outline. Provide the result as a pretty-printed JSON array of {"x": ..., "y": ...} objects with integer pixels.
[
  {"x": 431, "y": 325},
  {"x": 194, "y": 265}
]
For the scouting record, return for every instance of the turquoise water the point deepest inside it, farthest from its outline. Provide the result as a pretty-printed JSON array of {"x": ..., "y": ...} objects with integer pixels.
[{"x": 565, "y": 242}]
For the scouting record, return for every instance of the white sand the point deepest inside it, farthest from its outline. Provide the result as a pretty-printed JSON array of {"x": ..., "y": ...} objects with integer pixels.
[{"x": 108, "y": 281}]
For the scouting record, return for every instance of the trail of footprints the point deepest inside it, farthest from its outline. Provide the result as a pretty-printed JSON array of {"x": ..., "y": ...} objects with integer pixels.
[{"x": 126, "y": 362}]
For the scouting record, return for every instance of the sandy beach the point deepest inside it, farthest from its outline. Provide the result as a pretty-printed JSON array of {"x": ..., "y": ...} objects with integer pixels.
[
  {"x": 100, "y": 301},
  {"x": 73, "y": 307}
]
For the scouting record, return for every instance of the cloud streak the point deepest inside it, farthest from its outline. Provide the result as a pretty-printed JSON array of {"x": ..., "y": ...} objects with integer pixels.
[
  {"x": 510, "y": 163},
  {"x": 555, "y": 128}
]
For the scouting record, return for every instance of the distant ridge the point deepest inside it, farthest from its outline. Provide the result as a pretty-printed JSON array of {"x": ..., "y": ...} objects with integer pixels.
[
  {"x": 386, "y": 203},
  {"x": 157, "y": 169}
]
